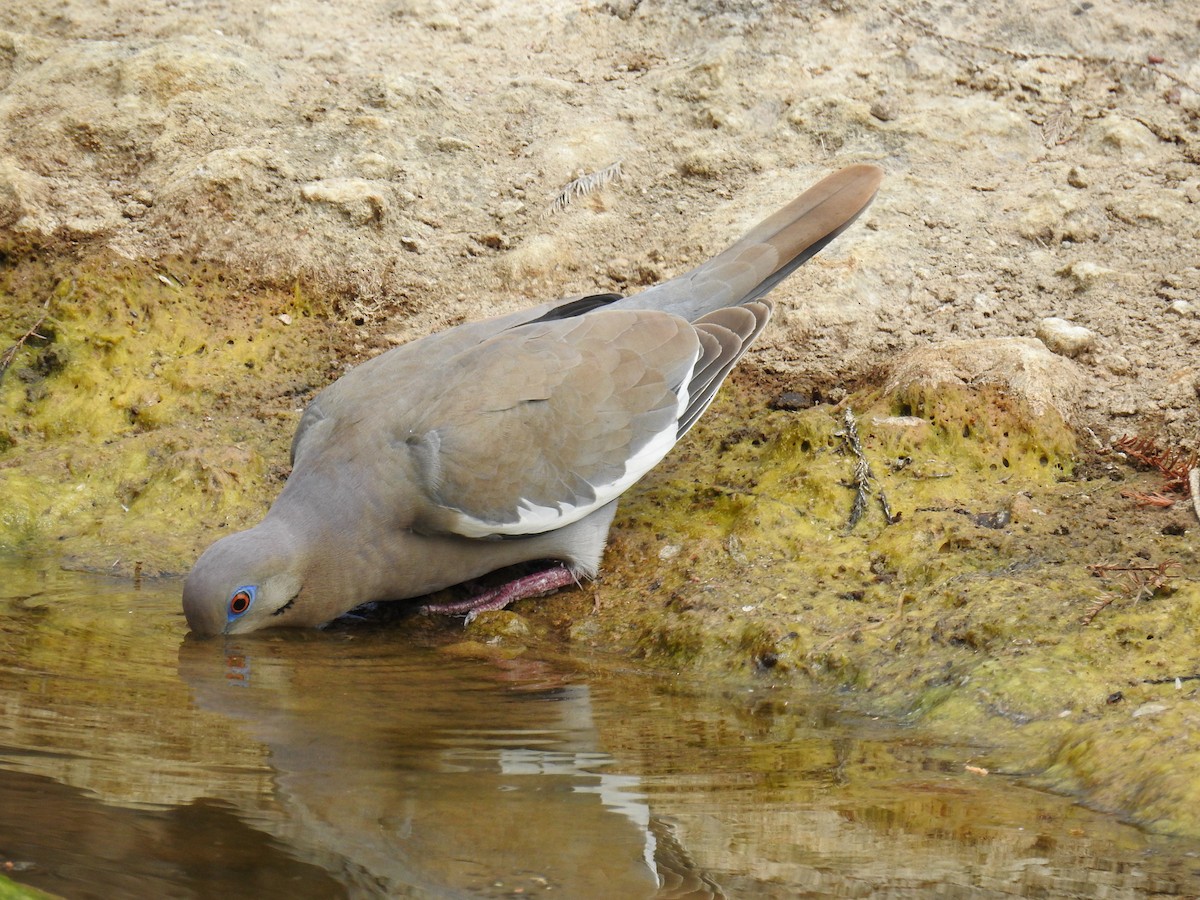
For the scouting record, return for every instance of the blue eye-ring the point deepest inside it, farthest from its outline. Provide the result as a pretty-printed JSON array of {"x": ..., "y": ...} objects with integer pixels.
[{"x": 240, "y": 601}]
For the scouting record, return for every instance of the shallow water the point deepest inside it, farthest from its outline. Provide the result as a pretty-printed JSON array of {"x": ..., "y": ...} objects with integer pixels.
[{"x": 386, "y": 762}]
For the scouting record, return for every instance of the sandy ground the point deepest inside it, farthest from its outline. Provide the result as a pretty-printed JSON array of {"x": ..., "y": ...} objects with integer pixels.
[
  {"x": 406, "y": 156},
  {"x": 225, "y": 206}
]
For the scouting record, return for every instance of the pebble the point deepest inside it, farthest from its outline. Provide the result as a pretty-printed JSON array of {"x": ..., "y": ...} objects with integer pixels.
[
  {"x": 1085, "y": 274},
  {"x": 1063, "y": 337},
  {"x": 1150, "y": 709},
  {"x": 508, "y": 208},
  {"x": 792, "y": 401}
]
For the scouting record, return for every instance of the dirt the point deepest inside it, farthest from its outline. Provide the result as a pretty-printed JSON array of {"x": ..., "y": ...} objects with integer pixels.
[{"x": 208, "y": 212}]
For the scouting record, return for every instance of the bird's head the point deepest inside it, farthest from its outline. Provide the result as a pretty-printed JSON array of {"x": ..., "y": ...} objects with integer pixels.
[{"x": 244, "y": 582}]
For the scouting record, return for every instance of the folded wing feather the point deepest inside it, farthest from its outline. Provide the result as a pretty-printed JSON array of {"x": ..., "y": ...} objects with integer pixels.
[{"x": 558, "y": 418}]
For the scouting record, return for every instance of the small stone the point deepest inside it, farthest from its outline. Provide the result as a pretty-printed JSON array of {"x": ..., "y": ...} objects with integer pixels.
[
  {"x": 509, "y": 208},
  {"x": 1124, "y": 405},
  {"x": 362, "y": 201},
  {"x": 792, "y": 401},
  {"x": 899, "y": 421},
  {"x": 1118, "y": 135},
  {"x": 1150, "y": 709},
  {"x": 1076, "y": 178},
  {"x": 995, "y": 520},
  {"x": 1022, "y": 510},
  {"x": 1085, "y": 274},
  {"x": 618, "y": 269},
  {"x": 285, "y": 318},
  {"x": 375, "y": 165},
  {"x": 884, "y": 108},
  {"x": 1064, "y": 338},
  {"x": 1116, "y": 364},
  {"x": 1182, "y": 307},
  {"x": 450, "y": 144}
]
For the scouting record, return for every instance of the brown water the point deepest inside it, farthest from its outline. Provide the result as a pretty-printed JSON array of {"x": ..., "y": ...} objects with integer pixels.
[{"x": 382, "y": 763}]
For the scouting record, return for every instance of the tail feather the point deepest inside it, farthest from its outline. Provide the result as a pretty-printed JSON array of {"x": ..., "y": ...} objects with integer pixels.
[
  {"x": 770, "y": 251},
  {"x": 724, "y": 336}
]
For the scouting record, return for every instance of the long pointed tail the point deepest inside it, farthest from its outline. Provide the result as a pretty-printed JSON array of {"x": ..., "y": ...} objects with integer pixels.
[{"x": 770, "y": 251}]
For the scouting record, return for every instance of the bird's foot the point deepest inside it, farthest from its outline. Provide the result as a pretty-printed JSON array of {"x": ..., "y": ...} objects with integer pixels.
[{"x": 536, "y": 585}]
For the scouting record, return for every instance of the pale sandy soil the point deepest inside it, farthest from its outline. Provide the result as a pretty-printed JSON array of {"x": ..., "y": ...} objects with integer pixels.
[{"x": 1042, "y": 161}]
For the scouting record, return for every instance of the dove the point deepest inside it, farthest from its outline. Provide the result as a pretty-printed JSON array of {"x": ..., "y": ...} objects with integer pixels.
[{"x": 503, "y": 441}]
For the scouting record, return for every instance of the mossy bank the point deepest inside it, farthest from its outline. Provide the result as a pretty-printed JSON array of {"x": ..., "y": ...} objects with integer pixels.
[{"x": 150, "y": 409}]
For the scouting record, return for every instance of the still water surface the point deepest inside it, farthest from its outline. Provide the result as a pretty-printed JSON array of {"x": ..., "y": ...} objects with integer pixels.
[{"x": 386, "y": 763}]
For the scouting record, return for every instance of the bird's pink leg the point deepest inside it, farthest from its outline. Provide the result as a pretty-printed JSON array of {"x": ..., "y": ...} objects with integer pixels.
[{"x": 536, "y": 585}]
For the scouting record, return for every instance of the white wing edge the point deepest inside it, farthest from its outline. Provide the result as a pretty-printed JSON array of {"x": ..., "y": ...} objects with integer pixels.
[{"x": 536, "y": 519}]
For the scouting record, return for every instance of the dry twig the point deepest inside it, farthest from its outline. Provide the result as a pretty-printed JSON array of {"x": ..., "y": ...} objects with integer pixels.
[
  {"x": 863, "y": 476},
  {"x": 10, "y": 354},
  {"x": 1141, "y": 582},
  {"x": 1174, "y": 465},
  {"x": 1171, "y": 679},
  {"x": 1153, "y": 498}
]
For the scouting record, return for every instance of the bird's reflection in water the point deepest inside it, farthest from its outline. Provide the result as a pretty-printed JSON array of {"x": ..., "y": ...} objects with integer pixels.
[{"x": 402, "y": 769}]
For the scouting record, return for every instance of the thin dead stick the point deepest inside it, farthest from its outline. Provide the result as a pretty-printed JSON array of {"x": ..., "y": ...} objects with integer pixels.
[
  {"x": 863, "y": 476},
  {"x": 1194, "y": 488},
  {"x": 10, "y": 354}
]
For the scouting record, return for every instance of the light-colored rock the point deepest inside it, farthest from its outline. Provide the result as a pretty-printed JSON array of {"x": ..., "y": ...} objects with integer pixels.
[
  {"x": 1116, "y": 134},
  {"x": 1063, "y": 337},
  {"x": 1022, "y": 367},
  {"x": 1086, "y": 273},
  {"x": 1053, "y": 216},
  {"x": 362, "y": 201},
  {"x": 22, "y": 199}
]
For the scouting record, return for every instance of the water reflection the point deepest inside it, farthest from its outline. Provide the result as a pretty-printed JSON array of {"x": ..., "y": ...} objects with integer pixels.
[
  {"x": 376, "y": 763},
  {"x": 401, "y": 767}
]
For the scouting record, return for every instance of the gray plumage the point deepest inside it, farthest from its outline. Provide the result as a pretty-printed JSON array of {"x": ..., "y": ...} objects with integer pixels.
[{"x": 505, "y": 440}]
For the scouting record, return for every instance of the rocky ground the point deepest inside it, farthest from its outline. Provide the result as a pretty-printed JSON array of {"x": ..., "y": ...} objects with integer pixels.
[{"x": 208, "y": 211}]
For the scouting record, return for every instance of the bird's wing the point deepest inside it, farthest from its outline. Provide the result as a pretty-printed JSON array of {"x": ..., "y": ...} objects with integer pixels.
[{"x": 544, "y": 423}]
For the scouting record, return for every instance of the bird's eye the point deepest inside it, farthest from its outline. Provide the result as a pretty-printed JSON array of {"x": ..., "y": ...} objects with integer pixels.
[{"x": 240, "y": 601}]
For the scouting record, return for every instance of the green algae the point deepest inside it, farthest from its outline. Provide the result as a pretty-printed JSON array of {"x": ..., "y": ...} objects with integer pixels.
[{"x": 148, "y": 406}]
